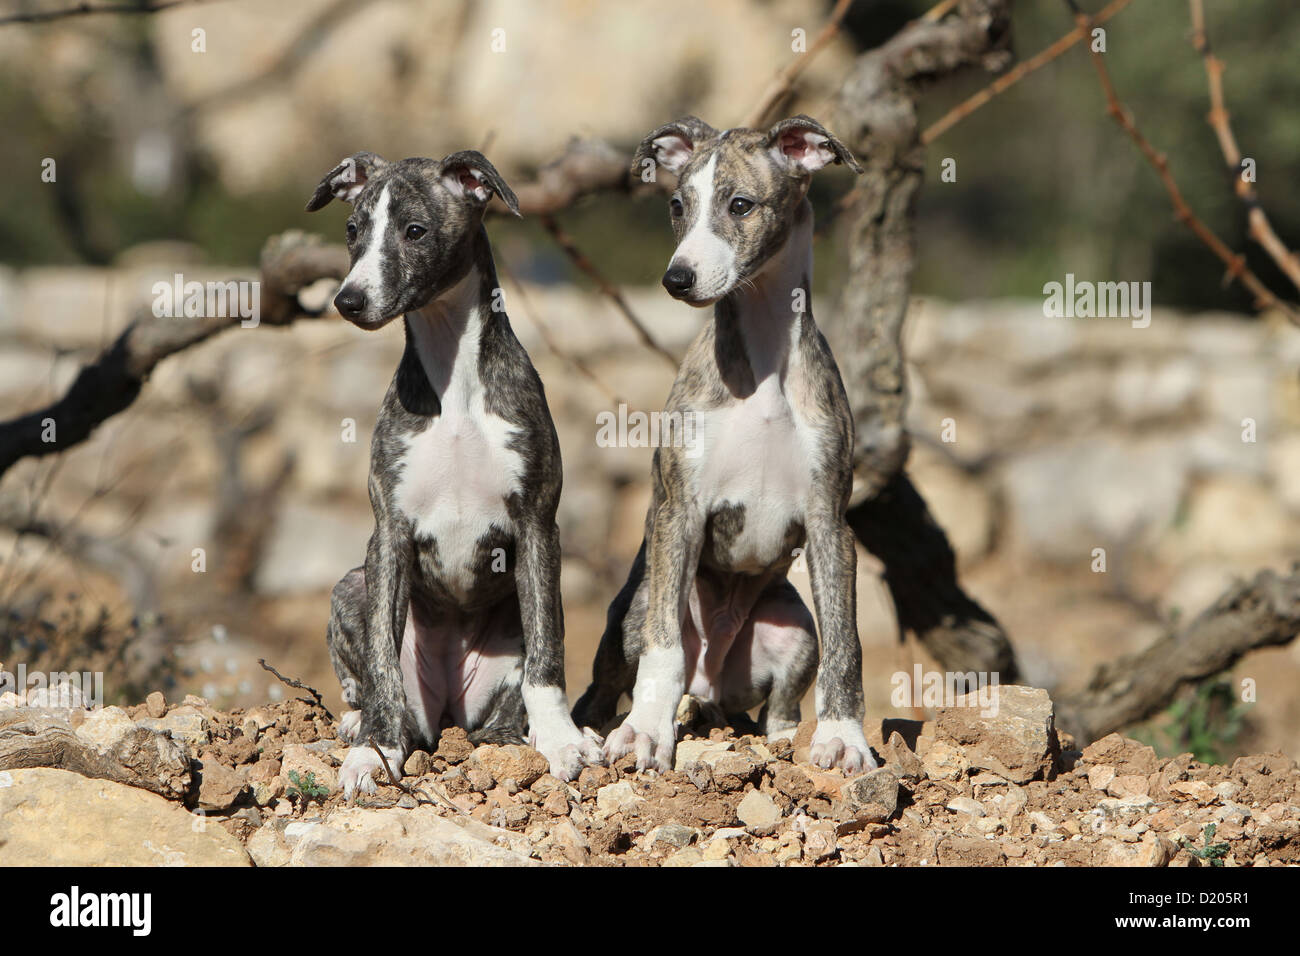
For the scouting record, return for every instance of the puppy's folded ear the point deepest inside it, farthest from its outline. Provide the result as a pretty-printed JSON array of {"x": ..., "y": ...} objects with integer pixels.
[
  {"x": 671, "y": 146},
  {"x": 468, "y": 173},
  {"x": 346, "y": 180},
  {"x": 803, "y": 145}
]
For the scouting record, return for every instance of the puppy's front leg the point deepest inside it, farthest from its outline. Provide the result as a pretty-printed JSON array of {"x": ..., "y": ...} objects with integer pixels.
[
  {"x": 383, "y": 699},
  {"x": 832, "y": 568},
  {"x": 537, "y": 578},
  {"x": 650, "y": 730}
]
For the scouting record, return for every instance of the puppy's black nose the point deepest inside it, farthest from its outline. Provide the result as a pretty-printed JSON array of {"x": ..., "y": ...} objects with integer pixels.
[
  {"x": 350, "y": 302},
  {"x": 678, "y": 280}
]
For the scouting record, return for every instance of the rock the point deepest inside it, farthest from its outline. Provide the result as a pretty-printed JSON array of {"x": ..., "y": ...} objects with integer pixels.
[
  {"x": 357, "y": 836},
  {"x": 267, "y": 846},
  {"x": 219, "y": 786},
  {"x": 731, "y": 771},
  {"x": 615, "y": 797},
  {"x": 184, "y": 724},
  {"x": 819, "y": 841},
  {"x": 942, "y": 761},
  {"x": 156, "y": 705},
  {"x": 1153, "y": 850},
  {"x": 104, "y": 729},
  {"x": 417, "y": 765},
  {"x": 967, "y": 805},
  {"x": 454, "y": 746},
  {"x": 556, "y": 803},
  {"x": 524, "y": 765},
  {"x": 872, "y": 797},
  {"x": 792, "y": 782},
  {"x": 1196, "y": 790},
  {"x": 717, "y": 850},
  {"x": 759, "y": 812},
  {"x": 673, "y": 834},
  {"x": 1099, "y": 777},
  {"x": 687, "y": 856},
  {"x": 1126, "y": 756},
  {"x": 58, "y": 818},
  {"x": 873, "y": 857},
  {"x": 902, "y": 757},
  {"x": 1233, "y": 813},
  {"x": 707, "y": 751},
  {"x": 1018, "y": 741},
  {"x": 1128, "y": 785}
]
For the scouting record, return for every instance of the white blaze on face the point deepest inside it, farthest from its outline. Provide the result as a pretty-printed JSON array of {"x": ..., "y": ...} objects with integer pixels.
[
  {"x": 701, "y": 250},
  {"x": 367, "y": 275}
]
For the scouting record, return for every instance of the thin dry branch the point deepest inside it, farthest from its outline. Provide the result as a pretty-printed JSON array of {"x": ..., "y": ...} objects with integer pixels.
[
  {"x": 1235, "y": 264},
  {"x": 783, "y": 83},
  {"x": 290, "y": 262},
  {"x": 608, "y": 289},
  {"x": 1015, "y": 75},
  {"x": 1263, "y": 612},
  {"x": 581, "y": 367},
  {"x": 1258, "y": 226},
  {"x": 91, "y": 9}
]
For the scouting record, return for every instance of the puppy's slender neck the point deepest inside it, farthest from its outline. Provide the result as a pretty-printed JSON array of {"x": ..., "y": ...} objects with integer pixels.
[
  {"x": 766, "y": 312},
  {"x": 447, "y": 332}
]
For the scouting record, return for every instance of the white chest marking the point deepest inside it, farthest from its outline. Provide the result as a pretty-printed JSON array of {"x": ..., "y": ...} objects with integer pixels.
[
  {"x": 456, "y": 474},
  {"x": 757, "y": 453}
]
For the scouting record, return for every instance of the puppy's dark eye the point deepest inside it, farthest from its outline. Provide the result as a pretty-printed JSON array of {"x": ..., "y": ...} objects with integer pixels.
[
  {"x": 352, "y": 231},
  {"x": 675, "y": 207},
  {"x": 740, "y": 206},
  {"x": 415, "y": 231}
]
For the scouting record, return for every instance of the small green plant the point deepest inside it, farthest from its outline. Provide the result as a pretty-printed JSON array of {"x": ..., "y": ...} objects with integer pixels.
[
  {"x": 1211, "y": 853},
  {"x": 305, "y": 788},
  {"x": 1206, "y": 721}
]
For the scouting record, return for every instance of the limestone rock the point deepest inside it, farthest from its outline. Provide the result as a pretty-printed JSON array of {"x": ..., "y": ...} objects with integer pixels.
[
  {"x": 1018, "y": 740},
  {"x": 57, "y": 818},
  {"x": 357, "y": 836}
]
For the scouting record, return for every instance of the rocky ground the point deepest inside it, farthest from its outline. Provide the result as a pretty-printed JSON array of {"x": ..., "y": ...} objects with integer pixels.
[{"x": 184, "y": 783}]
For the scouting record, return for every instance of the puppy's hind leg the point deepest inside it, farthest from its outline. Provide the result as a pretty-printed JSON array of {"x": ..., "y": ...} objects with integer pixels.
[
  {"x": 785, "y": 652},
  {"x": 614, "y": 669}
]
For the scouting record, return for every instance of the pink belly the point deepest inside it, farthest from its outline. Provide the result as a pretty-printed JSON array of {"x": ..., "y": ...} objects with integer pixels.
[{"x": 451, "y": 668}]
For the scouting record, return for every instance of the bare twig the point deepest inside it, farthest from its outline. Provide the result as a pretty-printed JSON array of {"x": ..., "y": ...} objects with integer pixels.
[
  {"x": 608, "y": 289},
  {"x": 413, "y": 792},
  {"x": 783, "y": 83},
  {"x": 294, "y": 682},
  {"x": 1015, "y": 75},
  {"x": 1259, "y": 228},
  {"x": 1236, "y": 264},
  {"x": 578, "y": 364},
  {"x": 90, "y": 9},
  {"x": 290, "y": 262}
]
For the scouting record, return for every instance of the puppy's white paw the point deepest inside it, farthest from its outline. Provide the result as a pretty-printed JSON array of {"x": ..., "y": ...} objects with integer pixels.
[
  {"x": 841, "y": 743},
  {"x": 569, "y": 753},
  {"x": 359, "y": 767},
  {"x": 653, "y": 749}
]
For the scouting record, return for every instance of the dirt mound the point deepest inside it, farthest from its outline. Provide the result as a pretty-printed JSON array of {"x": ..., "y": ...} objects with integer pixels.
[{"x": 961, "y": 790}]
